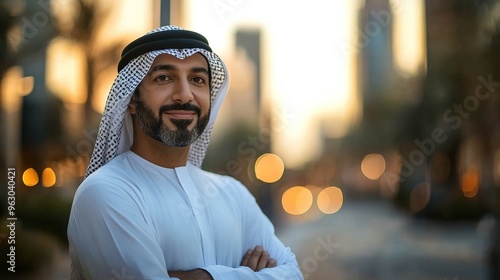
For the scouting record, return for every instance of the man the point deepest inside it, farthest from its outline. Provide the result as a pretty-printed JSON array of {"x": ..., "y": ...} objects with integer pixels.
[{"x": 146, "y": 210}]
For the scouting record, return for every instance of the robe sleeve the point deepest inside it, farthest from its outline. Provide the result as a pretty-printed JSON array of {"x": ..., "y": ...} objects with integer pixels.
[
  {"x": 109, "y": 237},
  {"x": 258, "y": 230}
]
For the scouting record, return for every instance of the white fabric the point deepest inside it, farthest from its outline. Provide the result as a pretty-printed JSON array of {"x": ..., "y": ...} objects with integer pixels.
[
  {"x": 115, "y": 130},
  {"x": 136, "y": 220}
]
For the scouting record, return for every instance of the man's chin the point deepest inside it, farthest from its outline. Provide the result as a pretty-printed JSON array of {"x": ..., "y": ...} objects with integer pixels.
[
  {"x": 180, "y": 124},
  {"x": 177, "y": 137},
  {"x": 176, "y": 129},
  {"x": 178, "y": 145}
]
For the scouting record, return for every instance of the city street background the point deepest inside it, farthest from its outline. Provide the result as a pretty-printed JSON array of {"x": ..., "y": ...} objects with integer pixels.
[{"x": 367, "y": 130}]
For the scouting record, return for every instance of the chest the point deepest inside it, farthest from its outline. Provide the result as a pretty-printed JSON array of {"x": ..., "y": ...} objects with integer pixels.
[{"x": 197, "y": 227}]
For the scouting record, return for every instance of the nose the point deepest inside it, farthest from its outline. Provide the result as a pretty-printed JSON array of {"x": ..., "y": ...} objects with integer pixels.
[{"x": 182, "y": 92}]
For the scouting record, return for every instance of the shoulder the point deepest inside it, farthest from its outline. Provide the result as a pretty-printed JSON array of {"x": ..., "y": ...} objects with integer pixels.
[{"x": 110, "y": 181}]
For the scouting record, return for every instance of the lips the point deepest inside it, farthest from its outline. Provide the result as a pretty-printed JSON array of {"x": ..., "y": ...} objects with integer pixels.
[
  {"x": 184, "y": 111},
  {"x": 180, "y": 114}
]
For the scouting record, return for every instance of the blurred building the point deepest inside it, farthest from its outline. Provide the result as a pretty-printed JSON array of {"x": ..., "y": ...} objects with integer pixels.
[
  {"x": 441, "y": 141},
  {"x": 376, "y": 53},
  {"x": 243, "y": 104},
  {"x": 31, "y": 111},
  {"x": 249, "y": 41}
]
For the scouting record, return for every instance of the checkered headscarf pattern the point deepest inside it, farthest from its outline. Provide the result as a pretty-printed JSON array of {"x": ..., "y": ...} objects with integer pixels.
[{"x": 115, "y": 130}]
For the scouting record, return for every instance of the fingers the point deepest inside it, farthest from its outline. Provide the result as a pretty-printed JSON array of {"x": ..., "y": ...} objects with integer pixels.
[
  {"x": 252, "y": 257},
  {"x": 246, "y": 257},
  {"x": 262, "y": 262},
  {"x": 271, "y": 263},
  {"x": 257, "y": 259}
]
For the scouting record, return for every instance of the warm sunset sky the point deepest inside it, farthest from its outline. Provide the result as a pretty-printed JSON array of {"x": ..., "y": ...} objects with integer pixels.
[{"x": 309, "y": 75}]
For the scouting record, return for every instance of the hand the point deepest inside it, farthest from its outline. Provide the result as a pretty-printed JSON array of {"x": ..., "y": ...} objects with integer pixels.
[
  {"x": 257, "y": 259},
  {"x": 195, "y": 274}
]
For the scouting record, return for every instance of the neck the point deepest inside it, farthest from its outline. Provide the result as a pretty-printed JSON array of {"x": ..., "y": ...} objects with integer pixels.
[{"x": 157, "y": 152}]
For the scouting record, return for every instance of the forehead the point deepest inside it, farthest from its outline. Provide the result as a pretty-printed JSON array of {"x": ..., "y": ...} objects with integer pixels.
[{"x": 195, "y": 60}]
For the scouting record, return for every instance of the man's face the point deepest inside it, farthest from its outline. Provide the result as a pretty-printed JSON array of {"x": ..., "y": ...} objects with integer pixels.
[{"x": 173, "y": 105}]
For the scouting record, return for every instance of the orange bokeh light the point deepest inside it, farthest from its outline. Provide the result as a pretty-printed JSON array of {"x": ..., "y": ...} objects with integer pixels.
[
  {"x": 330, "y": 200},
  {"x": 373, "y": 166},
  {"x": 470, "y": 182},
  {"x": 48, "y": 177},
  {"x": 297, "y": 200},
  {"x": 269, "y": 168},
  {"x": 30, "y": 177}
]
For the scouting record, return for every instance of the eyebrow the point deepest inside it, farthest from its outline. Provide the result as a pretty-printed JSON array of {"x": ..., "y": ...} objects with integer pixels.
[
  {"x": 168, "y": 67},
  {"x": 172, "y": 67}
]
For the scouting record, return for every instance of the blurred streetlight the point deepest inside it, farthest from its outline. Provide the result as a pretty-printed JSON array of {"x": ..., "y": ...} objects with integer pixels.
[
  {"x": 269, "y": 168},
  {"x": 470, "y": 182},
  {"x": 48, "y": 177},
  {"x": 297, "y": 200},
  {"x": 330, "y": 200},
  {"x": 373, "y": 166},
  {"x": 30, "y": 177}
]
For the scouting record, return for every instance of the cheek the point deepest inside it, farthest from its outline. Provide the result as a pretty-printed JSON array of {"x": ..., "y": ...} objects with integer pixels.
[
  {"x": 145, "y": 107},
  {"x": 204, "y": 102},
  {"x": 152, "y": 100},
  {"x": 207, "y": 102}
]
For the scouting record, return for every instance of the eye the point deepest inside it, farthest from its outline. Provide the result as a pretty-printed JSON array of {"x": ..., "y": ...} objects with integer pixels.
[
  {"x": 199, "y": 80},
  {"x": 162, "y": 78}
]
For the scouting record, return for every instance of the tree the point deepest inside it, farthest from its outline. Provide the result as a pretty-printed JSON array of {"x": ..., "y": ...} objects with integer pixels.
[{"x": 89, "y": 16}]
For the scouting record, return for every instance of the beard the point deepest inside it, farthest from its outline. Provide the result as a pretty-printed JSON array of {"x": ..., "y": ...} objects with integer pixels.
[{"x": 154, "y": 127}]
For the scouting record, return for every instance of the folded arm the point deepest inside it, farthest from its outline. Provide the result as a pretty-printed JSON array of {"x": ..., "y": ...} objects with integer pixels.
[
  {"x": 109, "y": 236},
  {"x": 255, "y": 259},
  {"x": 280, "y": 262}
]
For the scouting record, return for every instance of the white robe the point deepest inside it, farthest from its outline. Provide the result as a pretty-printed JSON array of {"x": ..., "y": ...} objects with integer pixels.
[{"x": 132, "y": 219}]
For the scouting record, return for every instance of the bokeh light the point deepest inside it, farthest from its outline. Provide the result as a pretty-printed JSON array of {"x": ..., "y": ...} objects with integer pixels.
[
  {"x": 470, "y": 182},
  {"x": 373, "y": 166},
  {"x": 26, "y": 85},
  {"x": 30, "y": 177},
  {"x": 48, "y": 177},
  {"x": 419, "y": 197},
  {"x": 297, "y": 200},
  {"x": 330, "y": 200},
  {"x": 269, "y": 168}
]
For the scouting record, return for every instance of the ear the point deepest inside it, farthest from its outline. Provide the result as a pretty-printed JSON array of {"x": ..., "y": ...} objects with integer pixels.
[{"x": 132, "y": 104}]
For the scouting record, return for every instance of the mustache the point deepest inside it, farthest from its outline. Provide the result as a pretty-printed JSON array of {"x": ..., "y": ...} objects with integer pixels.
[{"x": 178, "y": 106}]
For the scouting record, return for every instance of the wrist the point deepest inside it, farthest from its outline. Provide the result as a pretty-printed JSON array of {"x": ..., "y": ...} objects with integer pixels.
[{"x": 198, "y": 274}]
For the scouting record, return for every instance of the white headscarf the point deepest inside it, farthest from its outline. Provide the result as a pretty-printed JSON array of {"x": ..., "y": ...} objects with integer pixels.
[{"x": 115, "y": 131}]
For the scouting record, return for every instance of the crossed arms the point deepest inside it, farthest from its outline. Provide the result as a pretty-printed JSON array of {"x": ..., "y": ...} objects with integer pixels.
[
  {"x": 110, "y": 234},
  {"x": 256, "y": 259}
]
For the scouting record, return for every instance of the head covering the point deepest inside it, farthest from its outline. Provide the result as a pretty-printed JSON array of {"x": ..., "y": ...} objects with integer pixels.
[{"x": 115, "y": 131}]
